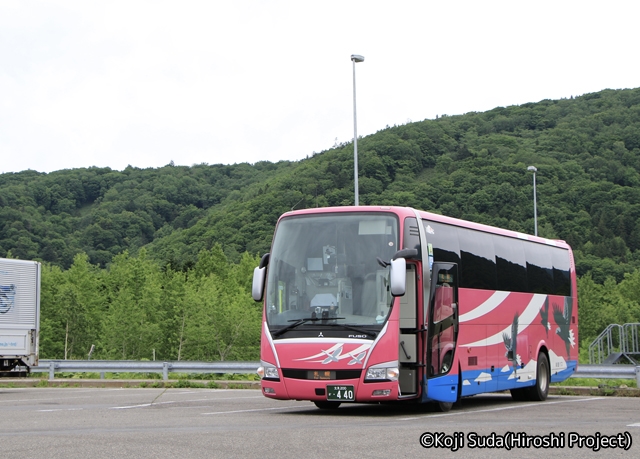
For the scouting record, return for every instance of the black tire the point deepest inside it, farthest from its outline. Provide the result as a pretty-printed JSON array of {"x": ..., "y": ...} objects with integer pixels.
[
  {"x": 326, "y": 405},
  {"x": 520, "y": 395},
  {"x": 444, "y": 406},
  {"x": 539, "y": 391}
]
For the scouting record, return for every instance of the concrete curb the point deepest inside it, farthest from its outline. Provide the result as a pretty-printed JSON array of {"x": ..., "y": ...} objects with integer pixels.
[{"x": 607, "y": 391}]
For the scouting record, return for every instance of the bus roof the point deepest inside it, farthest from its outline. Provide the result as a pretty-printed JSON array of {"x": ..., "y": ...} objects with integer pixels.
[{"x": 410, "y": 212}]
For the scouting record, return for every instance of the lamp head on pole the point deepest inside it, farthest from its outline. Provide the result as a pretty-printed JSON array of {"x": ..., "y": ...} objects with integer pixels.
[
  {"x": 532, "y": 169},
  {"x": 357, "y": 58}
]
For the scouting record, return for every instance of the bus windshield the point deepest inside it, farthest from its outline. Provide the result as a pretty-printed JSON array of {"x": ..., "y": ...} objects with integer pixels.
[{"x": 323, "y": 270}]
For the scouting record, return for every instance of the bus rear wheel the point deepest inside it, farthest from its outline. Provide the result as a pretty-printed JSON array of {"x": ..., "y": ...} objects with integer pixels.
[
  {"x": 539, "y": 391},
  {"x": 326, "y": 405}
]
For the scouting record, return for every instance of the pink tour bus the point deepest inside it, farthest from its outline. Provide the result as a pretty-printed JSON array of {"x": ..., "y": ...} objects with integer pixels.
[{"x": 380, "y": 304}]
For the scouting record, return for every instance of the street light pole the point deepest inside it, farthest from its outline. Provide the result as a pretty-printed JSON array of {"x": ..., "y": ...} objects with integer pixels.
[
  {"x": 355, "y": 58},
  {"x": 535, "y": 207}
]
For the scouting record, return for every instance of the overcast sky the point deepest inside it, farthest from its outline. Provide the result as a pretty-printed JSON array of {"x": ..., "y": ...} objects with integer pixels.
[{"x": 142, "y": 83}]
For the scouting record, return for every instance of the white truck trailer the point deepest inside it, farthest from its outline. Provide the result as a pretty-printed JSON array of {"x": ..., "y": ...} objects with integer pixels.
[{"x": 19, "y": 316}]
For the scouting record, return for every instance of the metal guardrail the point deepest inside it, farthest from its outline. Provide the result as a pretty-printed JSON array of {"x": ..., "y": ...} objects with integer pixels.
[
  {"x": 134, "y": 366},
  {"x": 608, "y": 372}
]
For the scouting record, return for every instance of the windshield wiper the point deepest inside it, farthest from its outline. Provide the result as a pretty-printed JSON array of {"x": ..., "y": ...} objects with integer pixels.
[{"x": 297, "y": 323}]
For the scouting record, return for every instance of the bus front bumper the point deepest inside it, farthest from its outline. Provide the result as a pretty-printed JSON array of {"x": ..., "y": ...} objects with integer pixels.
[{"x": 317, "y": 390}]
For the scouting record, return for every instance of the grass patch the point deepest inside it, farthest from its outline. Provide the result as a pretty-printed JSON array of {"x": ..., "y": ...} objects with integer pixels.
[
  {"x": 565, "y": 391},
  {"x": 237, "y": 386},
  {"x": 185, "y": 384},
  {"x": 593, "y": 382},
  {"x": 223, "y": 377},
  {"x": 157, "y": 376},
  {"x": 607, "y": 391},
  {"x": 107, "y": 375}
]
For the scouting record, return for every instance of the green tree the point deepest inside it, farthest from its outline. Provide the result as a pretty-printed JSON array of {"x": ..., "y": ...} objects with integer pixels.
[
  {"x": 132, "y": 327},
  {"x": 72, "y": 303},
  {"x": 222, "y": 324}
]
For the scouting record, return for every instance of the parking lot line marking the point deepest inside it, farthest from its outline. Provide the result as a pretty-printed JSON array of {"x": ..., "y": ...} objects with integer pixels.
[
  {"x": 502, "y": 408},
  {"x": 257, "y": 409}
]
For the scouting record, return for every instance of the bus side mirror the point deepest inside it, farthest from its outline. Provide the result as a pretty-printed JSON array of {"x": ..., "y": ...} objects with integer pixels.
[
  {"x": 259, "y": 273},
  {"x": 412, "y": 254},
  {"x": 258, "y": 283},
  {"x": 398, "y": 276}
]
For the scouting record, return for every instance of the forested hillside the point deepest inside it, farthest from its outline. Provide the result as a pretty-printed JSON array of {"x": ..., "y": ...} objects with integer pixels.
[{"x": 473, "y": 166}]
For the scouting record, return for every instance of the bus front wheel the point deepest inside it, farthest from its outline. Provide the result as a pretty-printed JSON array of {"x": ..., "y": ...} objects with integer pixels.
[
  {"x": 445, "y": 406},
  {"x": 539, "y": 391}
]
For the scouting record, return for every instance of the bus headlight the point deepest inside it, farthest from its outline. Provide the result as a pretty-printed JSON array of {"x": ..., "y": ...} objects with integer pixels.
[
  {"x": 382, "y": 373},
  {"x": 268, "y": 371}
]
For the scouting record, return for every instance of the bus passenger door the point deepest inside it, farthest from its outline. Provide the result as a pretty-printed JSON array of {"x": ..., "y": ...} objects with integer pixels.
[
  {"x": 442, "y": 333},
  {"x": 408, "y": 346}
]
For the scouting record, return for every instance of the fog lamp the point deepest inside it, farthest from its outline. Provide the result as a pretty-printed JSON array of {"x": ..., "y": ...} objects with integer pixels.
[{"x": 381, "y": 392}]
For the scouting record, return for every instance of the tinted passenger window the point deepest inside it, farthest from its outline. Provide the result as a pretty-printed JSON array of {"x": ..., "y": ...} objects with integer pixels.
[
  {"x": 444, "y": 239},
  {"x": 478, "y": 266},
  {"x": 511, "y": 264},
  {"x": 561, "y": 276},
  {"x": 539, "y": 268},
  {"x": 493, "y": 262}
]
